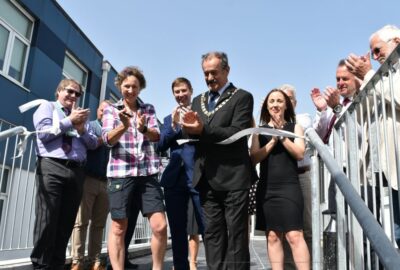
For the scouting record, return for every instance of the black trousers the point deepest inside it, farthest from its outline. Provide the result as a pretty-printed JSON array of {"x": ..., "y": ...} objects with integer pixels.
[
  {"x": 59, "y": 193},
  {"x": 226, "y": 235}
]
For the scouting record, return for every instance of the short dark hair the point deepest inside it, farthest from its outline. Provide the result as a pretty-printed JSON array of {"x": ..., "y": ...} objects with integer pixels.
[
  {"x": 130, "y": 71},
  {"x": 342, "y": 63},
  {"x": 181, "y": 80}
]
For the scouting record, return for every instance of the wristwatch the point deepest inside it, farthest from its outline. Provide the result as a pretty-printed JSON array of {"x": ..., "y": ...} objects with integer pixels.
[
  {"x": 338, "y": 108},
  {"x": 144, "y": 130}
]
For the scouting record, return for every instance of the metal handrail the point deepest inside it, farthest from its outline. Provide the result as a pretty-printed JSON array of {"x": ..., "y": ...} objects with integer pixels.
[
  {"x": 12, "y": 132},
  {"x": 373, "y": 230}
]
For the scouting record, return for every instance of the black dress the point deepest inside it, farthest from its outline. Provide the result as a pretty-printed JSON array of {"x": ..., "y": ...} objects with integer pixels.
[{"x": 279, "y": 197}]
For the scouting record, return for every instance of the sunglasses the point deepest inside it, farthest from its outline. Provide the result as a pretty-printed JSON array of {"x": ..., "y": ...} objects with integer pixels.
[
  {"x": 73, "y": 91},
  {"x": 377, "y": 50}
]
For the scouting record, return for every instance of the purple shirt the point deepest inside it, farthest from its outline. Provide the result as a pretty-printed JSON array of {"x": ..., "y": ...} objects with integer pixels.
[{"x": 49, "y": 145}]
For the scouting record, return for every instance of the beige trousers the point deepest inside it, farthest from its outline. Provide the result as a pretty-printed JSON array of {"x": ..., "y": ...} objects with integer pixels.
[{"x": 93, "y": 207}]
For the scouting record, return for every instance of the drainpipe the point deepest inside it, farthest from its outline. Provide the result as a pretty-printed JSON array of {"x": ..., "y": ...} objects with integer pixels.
[{"x": 106, "y": 68}]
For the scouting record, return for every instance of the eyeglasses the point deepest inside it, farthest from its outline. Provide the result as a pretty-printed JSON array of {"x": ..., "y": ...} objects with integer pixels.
[
  {"x": 73, "y": 91},
  {"x": 377, "y": 50}
]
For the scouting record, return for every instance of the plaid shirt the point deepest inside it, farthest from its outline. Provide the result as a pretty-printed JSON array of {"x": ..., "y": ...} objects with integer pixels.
[{"x": 133, "y": 154}]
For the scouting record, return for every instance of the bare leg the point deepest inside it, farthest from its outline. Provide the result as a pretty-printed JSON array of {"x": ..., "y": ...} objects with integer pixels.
[
  {"x": 116, "y": 243},
  {"x": 194, "y": 243},
  {"x": 275, "y": 249},
  {"x": 301, "y": 256},
  {"x": 158, "y": 226}
]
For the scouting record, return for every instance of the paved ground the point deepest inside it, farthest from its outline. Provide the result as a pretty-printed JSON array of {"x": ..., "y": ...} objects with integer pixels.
[{"x": 258, "y": 255}]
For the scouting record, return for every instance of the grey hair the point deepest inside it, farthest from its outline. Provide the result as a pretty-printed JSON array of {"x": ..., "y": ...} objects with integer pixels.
[
  {"x": 387, "y": 33},
  {"x": 220, "y": 55},
  {"x": 288, "y": 87}
]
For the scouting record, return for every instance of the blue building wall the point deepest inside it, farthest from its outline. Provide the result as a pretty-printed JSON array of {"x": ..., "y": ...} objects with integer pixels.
[{"x": 54, "y": 34}]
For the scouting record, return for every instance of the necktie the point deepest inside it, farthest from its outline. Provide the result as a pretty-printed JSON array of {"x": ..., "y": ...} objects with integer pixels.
[
  {"x": 213, "y": 100},
  {"x": 332, "y": 122},
  {"x": 66, "y": 140}
]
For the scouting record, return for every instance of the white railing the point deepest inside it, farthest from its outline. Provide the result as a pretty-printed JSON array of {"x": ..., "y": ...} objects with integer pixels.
[
  {"x": 364, "y": 139},
  {"x": 17, "y": 200}
]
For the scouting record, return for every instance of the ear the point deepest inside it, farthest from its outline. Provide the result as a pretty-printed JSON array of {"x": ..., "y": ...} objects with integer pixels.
[
  {"x": 396, "y": 40},
  {"x": 227, "y": 69}
]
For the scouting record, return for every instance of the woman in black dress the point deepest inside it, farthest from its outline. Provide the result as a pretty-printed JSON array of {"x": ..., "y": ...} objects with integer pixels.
[{"x": 279, "y": 197}]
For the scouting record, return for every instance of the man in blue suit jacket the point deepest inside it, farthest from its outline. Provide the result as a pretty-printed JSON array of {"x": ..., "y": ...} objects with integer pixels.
[{"x": 177, "y": 176}]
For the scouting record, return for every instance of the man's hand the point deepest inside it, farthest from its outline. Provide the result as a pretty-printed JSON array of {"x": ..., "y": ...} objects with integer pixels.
[
  {"x": 192, "y": 123},
  {"x": 318, "y": 99},
  {"x": 359, "y": 65},
  {"x": 78, "y": 115},
  {"x": 332, "y": 96},
  {"x": 175, "y": 116},
  {"x": 80, "y": 128}
]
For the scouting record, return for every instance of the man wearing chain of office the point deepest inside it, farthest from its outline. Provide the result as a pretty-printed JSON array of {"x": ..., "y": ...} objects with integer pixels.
[{"x": 222, "y": 172}]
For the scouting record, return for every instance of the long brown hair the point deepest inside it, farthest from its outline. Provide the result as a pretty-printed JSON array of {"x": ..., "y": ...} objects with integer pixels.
[{"x": 289, "y": 114}]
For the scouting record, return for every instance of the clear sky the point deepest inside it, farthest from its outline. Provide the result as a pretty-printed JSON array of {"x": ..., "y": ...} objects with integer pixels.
[{"x": 268, "y": 42}]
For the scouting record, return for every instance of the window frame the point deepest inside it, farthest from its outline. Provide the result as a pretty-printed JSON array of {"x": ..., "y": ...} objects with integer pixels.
[
  {"x": 14, "y": 34},
  {"x": 68, "y": 76}
]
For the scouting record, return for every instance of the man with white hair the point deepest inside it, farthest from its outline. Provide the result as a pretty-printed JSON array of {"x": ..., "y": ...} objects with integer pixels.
[
  {"x": 382, "y": 44},
  {"x": 303, "y": 171}
]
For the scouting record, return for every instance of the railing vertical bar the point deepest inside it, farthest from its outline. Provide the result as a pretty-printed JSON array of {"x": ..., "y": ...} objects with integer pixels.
[
  {"x": 388, "y": 167},
  {"x": 12, "y": 174},
  {"x": 315, "y": 213},
  {"x": 32, "y": 196},
  {"x": 340, "y": 212},
  {"x": 377, "y": 107},
  {"x": 395, "y": 135},
  {"x": 8, "y": 197},
  {"x": 353, "y": 169}
]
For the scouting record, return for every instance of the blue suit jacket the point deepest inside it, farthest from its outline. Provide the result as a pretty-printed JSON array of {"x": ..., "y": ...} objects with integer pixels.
[{"x": 179, "y": 171}]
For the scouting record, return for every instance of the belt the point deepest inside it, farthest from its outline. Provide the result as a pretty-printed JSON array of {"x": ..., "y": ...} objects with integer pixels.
[
  {"x": 303, "y": 169},
  {"x": 97, "y": 177},
  {"x": 66, "y": 162}
]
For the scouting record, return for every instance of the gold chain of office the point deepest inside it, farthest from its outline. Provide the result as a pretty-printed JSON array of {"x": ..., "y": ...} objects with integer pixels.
[{"x": 204, "y": 103}]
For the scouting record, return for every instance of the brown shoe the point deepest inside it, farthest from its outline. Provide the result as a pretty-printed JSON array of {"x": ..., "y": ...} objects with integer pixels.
[
  {"x": 76, "y": 266},
  {"x": 98, "y": 266}
]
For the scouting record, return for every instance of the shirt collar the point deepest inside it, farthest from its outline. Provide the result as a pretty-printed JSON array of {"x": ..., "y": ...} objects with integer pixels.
[{"x": 222, "y": 90}]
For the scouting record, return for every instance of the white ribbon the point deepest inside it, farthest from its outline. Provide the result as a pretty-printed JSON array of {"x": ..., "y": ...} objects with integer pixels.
[
  {"x": 249, "y": 131},
  {"x": 31, "y": 104},
  {"x": 55, "y": 129}
]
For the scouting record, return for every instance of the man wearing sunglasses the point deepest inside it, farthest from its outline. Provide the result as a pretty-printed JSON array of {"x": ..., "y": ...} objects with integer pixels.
[
  {"x": 61, "y": 156},
  {"x": 382, "y": 44}
]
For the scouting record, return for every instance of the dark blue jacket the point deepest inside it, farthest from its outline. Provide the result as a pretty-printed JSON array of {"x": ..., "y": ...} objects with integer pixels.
[{"x": 179, "y": 171}]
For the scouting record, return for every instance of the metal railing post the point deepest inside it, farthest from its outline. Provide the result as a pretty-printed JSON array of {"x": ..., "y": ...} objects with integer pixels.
[
  {"x": 315, "y": 214},
  {"x": 381, "y": 244}
]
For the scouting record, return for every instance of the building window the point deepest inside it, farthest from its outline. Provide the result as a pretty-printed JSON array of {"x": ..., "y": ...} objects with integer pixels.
[
  {"x": 16, "y": 27},
  {"x": 74, "y": 70}
]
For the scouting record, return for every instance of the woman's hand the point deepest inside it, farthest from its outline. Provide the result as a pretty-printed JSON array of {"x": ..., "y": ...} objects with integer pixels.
[
  {"x": 278, "y": 121},
  {"x": 141, "y": 122}
]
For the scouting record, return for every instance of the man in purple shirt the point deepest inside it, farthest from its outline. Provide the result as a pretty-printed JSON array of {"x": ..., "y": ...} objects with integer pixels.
[{"x": 62, "y": 140}]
